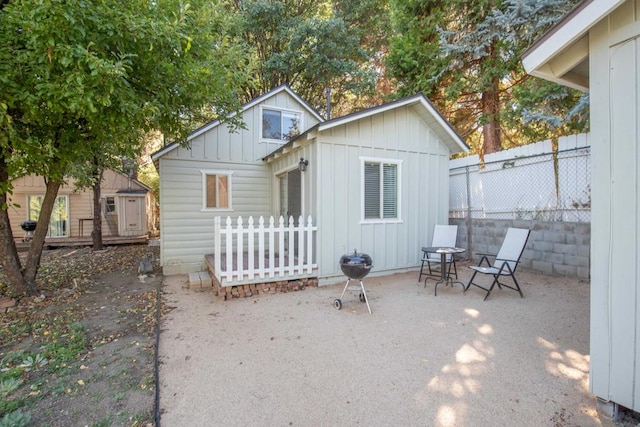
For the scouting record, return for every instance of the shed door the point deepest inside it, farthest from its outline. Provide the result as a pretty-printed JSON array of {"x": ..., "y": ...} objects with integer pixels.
[{"x": 132, "y": 223}]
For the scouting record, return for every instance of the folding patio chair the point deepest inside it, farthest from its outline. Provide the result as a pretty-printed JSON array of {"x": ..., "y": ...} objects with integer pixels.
[
  {"x": 443, "y": 236},
  {"x": 505, "y": 262}
]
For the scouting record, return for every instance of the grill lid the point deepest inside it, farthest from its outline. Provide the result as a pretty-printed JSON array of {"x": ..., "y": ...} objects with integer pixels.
[{"x": 356, "y": 265}]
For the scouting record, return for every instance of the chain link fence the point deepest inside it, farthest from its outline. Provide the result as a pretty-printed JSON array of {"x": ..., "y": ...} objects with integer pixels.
[{"x": 545, "y": 187}]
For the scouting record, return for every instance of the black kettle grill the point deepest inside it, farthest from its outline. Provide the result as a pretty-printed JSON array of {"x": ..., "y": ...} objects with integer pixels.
[
  {"x": 355, "y": 266},
  {"x": 29, "y": 227}
]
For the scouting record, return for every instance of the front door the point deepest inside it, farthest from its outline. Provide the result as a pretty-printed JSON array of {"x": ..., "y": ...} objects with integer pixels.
[
  {"x": 291, "y": 195},
  {"x": 291, "y": 200}
]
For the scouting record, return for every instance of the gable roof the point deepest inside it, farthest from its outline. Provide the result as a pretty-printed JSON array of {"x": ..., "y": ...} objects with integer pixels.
[
  {"x": 421, "y": 105},
  {"x": 562, "y": 54},
  {"x": 202, "y": 129}
]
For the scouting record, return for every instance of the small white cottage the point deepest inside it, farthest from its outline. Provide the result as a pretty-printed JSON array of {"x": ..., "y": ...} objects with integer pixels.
[
  {"x": 596, "y": 48},
  {"x": 375, "y": 181}
]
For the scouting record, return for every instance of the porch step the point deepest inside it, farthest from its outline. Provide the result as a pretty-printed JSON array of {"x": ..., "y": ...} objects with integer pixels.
[{"x": 199, "y": 280}]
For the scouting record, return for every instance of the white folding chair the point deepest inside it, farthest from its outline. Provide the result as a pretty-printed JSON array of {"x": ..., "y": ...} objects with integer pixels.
[
  {"x": 505, "y": 263},
  {"x": 443, "y": 236}
]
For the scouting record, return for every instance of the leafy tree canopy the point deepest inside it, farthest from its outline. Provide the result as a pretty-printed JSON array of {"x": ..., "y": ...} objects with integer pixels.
[
  {"x": 84, "y": 78},
  {"x": 312, "y": 46}
]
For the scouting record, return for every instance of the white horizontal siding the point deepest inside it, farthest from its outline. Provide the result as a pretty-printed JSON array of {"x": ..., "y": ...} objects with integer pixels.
[
  {"x": 186, "y": 230},
  {"x": 80, "y": 202}
]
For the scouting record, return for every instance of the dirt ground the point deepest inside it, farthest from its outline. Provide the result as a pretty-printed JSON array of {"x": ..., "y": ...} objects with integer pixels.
[{"x": 83, "y": 351}]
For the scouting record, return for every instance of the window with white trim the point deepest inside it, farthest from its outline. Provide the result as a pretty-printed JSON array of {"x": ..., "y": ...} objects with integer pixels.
[
  {"x": 110, "y": 205},
  {"x": 280, "y": 125},
  {"x": 216, "y": 190},
  {"x": 381, "y": 190}
]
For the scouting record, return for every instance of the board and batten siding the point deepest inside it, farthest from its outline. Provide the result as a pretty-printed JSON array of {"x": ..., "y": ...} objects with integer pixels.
[
  {"x": 397, "y": 134},
  {"x": 614, "y": 45},
  {"x": 186, "y": 230}
]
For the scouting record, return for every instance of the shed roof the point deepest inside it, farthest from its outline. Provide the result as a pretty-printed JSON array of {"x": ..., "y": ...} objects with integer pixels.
[
  {"x": 562, "y": 54},
  {"x": 421, "y": 105},
  {"x": 202, "y": 129}
]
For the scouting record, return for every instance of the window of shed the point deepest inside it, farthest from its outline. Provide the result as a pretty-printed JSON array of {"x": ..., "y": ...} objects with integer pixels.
[
  {"x": 216, "y": 190},
  {"x": 110, "y": 205},
  {"x": 280, "y": 125}
]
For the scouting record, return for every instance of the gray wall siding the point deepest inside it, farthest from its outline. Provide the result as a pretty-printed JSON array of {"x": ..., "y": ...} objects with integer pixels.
[
  {"x": 187, "y": 231},
  {"x": 615, "y": 280},
  {"x": 394, "y": 135}
]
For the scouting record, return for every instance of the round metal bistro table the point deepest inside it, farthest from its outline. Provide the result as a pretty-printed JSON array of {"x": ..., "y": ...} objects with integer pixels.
[{"x": 445, "y": 277}]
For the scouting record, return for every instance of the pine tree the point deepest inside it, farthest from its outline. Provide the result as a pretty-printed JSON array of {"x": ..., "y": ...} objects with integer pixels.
[{"x": 466, "y": 57}]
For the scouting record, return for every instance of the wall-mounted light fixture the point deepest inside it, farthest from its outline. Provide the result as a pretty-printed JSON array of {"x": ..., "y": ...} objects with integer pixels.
[{"x": 302, "y": 165}]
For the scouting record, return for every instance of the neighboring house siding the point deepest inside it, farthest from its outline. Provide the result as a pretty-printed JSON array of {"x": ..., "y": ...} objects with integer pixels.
[
  {"x": 80, "y": 203},
  {"x": 187, "y": 230},
  {"x": 395, "y": 135},
  {"x": 614, "y": 46}
]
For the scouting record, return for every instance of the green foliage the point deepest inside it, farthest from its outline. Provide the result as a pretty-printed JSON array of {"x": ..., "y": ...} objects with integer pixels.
[
  {"x": 65, "y": 343},
  {"x": 311, "y": 46},
  {"x": 82, "y": 81},
  {"x": 466, "y": 57},
  {"x": 16, "y": 418},
  {"x": 8, "y": 386},
  {"x": 34, "y": 362}
]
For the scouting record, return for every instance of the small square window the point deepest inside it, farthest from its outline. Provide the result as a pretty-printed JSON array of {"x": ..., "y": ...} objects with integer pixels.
[{"x": 216, "y": 190}]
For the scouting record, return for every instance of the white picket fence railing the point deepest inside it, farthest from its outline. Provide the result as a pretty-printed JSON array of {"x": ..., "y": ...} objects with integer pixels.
[{"x": 254, "y": 253}]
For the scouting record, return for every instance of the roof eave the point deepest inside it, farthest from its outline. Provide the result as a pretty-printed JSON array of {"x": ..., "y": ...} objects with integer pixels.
[{"x": 568, "y": 37}]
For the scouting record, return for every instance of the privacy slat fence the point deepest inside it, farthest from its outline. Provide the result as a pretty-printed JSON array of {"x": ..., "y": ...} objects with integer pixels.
[{"x": 252, "y": 253}]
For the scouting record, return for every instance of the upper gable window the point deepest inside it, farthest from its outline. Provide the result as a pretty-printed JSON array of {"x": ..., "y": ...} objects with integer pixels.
[{"x": 280, "y": 125}]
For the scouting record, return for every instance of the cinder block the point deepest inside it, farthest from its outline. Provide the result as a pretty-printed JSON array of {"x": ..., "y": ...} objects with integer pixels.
[
  {"x": 205, "y": 279},
  {"x": 194, "y": 281}
]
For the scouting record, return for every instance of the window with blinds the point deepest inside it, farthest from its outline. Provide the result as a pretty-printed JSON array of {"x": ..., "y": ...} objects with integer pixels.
[{"x": 380, "y": 190}]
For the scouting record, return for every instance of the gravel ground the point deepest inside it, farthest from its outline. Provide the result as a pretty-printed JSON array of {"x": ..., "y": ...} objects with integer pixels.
[{"x": 418, "y": 359}]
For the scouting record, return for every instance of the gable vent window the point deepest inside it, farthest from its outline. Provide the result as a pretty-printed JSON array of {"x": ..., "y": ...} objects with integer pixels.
[
  {"x": 280, "y": 125},
  {"x": 216, "y": 187},
  {"x": 381, "y": 190}
]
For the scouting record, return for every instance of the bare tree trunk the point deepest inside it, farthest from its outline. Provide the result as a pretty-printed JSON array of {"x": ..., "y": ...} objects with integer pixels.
[
  {"x": 9, "y": 258},
  {"x": 491, "y": 110},
  {"x": 37, "y": 244},
  {"x": 96, "y": 234},
  {"x": 491, "y": 126}
]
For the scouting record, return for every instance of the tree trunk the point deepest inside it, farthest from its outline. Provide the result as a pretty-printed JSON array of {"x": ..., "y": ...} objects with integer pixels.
[
  {"x": 491, "y": 105},
  {"x": 96, "y": 234},
  {"x": 37, "y": 244},
  {"x": 491, "y": 114},
  {"x": 9, "y": 258}
]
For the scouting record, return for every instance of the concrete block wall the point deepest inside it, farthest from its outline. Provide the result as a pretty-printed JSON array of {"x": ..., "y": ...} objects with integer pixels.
[{"x": 554, "y": 248}]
